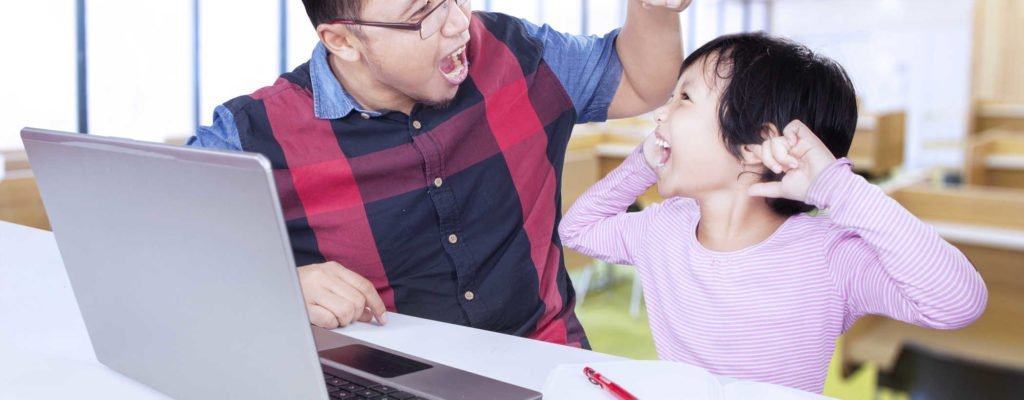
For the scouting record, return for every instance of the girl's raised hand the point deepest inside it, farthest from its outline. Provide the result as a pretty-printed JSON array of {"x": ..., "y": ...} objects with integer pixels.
[{"x": 799, "y": 154}]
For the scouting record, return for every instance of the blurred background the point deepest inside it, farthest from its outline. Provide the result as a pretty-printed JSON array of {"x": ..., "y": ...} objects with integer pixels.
[{"x": 941, "y": 129}]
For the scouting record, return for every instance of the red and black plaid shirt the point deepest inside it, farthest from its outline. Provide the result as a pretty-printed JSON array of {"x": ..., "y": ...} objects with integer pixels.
[{"x": 451, "y": 213}]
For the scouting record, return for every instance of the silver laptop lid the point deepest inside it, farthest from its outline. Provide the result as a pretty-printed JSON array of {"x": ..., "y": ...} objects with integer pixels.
[{"x": 188, "y": 314}]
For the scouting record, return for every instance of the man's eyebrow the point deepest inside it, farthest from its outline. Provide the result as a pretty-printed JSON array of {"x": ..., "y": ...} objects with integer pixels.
[{"x": 410, "y": 9}]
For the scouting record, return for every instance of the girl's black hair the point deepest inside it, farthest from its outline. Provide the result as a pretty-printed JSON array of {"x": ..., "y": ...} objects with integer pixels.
[{"x": 775, "y": 80}]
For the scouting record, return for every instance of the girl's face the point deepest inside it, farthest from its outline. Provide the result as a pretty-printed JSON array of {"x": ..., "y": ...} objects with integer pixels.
[{"x": 695, "y": 161}]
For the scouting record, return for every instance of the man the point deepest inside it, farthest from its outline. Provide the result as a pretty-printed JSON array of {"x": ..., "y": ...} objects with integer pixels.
[{"x": 418, "y": 155}]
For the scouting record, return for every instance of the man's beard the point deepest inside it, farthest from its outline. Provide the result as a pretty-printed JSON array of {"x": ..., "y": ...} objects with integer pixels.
[{"x": 438, "y": 105}]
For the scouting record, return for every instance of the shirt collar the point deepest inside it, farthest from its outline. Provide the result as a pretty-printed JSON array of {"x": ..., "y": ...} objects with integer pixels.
[{"x": 330, "y": 100}]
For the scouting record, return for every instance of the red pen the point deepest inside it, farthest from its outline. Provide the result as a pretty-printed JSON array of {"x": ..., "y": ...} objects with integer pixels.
[{"x": 608, "y": 385}]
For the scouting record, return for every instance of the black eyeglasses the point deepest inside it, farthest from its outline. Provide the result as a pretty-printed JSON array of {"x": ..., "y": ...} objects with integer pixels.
[{"x": 428, "y": 25}]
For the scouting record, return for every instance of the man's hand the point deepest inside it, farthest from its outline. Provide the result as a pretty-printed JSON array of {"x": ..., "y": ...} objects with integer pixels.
[
  {"x": 800, "y": 154},
  {"x": 674, "y": 5},
  {"x": 650, "y": 47},
  {"x": 337, "y": 297}
]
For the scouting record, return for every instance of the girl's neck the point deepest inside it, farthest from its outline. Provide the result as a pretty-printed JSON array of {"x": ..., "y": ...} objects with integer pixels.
[{"x": 731, "y": 220}]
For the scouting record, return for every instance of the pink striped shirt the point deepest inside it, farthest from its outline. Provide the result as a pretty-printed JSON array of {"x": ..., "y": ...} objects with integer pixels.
[{"x": 772, "y": 312}]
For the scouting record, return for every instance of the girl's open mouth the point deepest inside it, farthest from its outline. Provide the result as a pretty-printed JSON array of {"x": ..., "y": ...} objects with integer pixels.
[{"x": 665, "y": 151}]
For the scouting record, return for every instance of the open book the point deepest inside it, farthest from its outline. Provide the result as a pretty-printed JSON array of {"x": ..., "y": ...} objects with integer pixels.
[{"x": 660, "y": 380}]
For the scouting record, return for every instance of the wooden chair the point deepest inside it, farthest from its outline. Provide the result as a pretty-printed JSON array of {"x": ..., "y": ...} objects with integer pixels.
[
  {"x": 878, "y": 144},
  {"x": 996, "y": 158},
  {"x": 989, "y": 115},
  {"x": 987, "y": 225},
  {"x": 20, "y": 202}
]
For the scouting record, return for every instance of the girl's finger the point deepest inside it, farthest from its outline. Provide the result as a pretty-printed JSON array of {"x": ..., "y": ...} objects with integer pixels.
[
  {"x": 781, "y": 152},
  {"x": 797, "y": 129},
  {"x": 790, "y": 134},
  {"x": 766, "y": 189},
  {"x": 768, "y": 158}
]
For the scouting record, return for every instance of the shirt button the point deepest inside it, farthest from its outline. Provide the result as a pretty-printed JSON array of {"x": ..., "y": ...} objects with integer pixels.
[
  {"x": 469, "y": 295},
  {"x": 453, "y": 239},
  {"x": 365, "y": 115},
  {"x": 438, "y": 182},
  {"x": 417, "y": 124}
]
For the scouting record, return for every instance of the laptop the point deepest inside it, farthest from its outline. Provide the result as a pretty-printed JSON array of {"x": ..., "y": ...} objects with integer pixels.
[{"x": 185, "y": 278}]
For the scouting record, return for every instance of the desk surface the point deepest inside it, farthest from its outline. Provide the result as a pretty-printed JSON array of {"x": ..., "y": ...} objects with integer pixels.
[{"x": 46, "y": 353}]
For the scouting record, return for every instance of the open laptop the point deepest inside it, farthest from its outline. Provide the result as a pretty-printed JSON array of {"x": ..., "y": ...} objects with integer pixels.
[{"x": 184, "y": 275}]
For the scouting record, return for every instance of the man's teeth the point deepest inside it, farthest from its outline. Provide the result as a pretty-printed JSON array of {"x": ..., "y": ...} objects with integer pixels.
[
  {"x": 457, "y": 60},
  {"x": 455, "y": 72},
  {"x": 457, "y": 56}
]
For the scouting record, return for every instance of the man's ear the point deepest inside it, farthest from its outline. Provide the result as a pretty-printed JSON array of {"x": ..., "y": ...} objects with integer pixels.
[{"x": 341, "y": 40}]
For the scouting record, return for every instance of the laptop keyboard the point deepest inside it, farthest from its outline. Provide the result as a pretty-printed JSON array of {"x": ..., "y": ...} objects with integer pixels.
[{"x": 341, "y": 385}]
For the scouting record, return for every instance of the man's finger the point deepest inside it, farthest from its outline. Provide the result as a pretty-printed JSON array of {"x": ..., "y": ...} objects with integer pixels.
[
  {"x": 341, "y": 307},
  {"x": 321, "y": 317},
  {"x": 367, "y": 315},
  {"x": 364, "y": 286}
]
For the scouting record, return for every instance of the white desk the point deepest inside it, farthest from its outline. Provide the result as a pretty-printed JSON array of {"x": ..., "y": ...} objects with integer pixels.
[{"x": 45, "y": 351}]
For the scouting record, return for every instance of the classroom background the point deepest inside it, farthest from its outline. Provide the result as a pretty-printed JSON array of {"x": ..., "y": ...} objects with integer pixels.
[{"x": 941, "y": 129}]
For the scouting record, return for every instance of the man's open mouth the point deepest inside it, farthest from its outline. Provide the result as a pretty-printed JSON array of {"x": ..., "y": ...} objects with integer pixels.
[{"x": 455, "y": 67}]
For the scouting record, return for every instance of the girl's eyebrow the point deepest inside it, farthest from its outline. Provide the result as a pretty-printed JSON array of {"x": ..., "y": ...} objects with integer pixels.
[
  {"x": 687, "y": 85},
  {"x": 683, "y": 85}
]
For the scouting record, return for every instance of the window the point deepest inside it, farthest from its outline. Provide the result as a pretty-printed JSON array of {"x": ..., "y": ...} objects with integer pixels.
[
  {"x": 38, "y": 68},
  {"x": 139, "y": 68},
  {"x": 239, "y": 50}
]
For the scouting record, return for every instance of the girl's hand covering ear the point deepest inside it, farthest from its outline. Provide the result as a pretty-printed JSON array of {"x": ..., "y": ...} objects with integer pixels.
[{"x": 799, "y": 154}]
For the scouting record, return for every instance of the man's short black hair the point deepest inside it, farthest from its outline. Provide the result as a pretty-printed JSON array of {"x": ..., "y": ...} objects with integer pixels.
[
  {"x": 775, "y": 80},
  {"x": 321, "y": 11}
]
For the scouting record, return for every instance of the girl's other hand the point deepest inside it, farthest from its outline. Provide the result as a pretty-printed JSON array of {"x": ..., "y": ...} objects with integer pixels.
[{"x": 799, "y": 154}]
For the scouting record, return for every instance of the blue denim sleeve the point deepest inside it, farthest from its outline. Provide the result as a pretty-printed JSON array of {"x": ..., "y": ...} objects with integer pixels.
[
  {"x": 587, "y": 66},
  {"x": 223, "y": 134}
]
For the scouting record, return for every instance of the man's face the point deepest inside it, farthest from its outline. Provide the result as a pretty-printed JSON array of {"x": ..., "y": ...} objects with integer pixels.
[{"x": 427, "y": 70}]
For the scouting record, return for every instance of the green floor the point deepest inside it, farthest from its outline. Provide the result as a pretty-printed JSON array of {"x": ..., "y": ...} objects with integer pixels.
[{"x": 605, "y": 316}]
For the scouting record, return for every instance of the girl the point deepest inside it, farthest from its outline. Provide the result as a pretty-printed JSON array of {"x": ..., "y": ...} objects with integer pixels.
[{"x": 738, "y": 277}]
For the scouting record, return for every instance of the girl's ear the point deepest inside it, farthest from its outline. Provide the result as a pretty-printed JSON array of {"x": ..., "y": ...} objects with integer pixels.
[{"x": 751, "y": 153}]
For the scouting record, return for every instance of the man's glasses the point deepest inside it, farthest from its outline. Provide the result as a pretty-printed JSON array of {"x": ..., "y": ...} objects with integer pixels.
[{"x": 431, "y": 22}]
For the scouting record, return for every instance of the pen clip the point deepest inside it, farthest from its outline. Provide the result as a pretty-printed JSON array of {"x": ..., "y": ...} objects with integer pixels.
[{"x": 593, "y": 376}]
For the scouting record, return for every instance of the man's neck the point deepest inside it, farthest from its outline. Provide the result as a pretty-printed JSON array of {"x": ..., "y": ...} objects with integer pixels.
[
  {"x": 732, "y": 220},
  {"x": 370, "y": 93}
]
